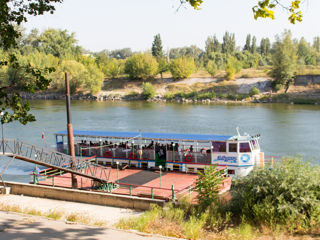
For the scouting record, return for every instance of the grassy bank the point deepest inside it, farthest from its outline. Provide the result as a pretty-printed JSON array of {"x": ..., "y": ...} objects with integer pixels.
[{"x": 278, "y": 203}]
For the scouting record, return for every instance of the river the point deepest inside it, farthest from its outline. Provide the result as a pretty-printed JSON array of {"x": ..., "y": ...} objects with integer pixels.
[{"x": 285, "y": 129}]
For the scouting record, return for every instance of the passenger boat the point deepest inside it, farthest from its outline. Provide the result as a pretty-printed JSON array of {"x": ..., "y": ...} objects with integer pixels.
[{"x": 170, "y": 151}]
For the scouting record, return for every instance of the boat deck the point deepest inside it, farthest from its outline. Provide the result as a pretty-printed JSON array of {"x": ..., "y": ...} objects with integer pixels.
[{"x": 142, "y": 183}]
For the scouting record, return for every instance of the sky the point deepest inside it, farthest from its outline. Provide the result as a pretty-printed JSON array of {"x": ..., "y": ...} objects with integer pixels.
[{"x": 115, "y": 24}]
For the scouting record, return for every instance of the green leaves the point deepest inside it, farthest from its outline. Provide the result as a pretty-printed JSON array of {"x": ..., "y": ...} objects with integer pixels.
[
  {"x": 265, "y": 9},
  {"x": 287, "y": 195},
  {"x": 208, "y": 185}
]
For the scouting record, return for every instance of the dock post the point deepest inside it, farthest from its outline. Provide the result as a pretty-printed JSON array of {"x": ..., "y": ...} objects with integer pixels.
[
  {"x": 130, "y": 190},
  {"x": 272, "y": 162},
  {"x": 152, "y": 196},
  {"x": 52, "y": 181},
  {"x": 189, "y": 191},
  {"x": 173, "y": 195}
]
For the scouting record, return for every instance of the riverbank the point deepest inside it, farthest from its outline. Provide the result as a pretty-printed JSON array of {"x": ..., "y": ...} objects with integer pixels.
[{"x": 198, "y": 90}]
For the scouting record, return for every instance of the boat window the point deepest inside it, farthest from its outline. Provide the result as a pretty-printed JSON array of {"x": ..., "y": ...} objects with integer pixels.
[
  {"x": 219, "y": 146},
  {"x": 245, "y": 147},
  {"x": 233, "y": 147}
]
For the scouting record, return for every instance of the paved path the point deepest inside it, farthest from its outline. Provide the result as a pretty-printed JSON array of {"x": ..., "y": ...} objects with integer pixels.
[{"x": 18, "y": 226}]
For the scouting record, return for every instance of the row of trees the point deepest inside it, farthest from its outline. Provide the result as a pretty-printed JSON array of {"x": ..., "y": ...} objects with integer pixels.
[
  {"x": 283, "y": 56},
  {"x": 58, "y": 49}
]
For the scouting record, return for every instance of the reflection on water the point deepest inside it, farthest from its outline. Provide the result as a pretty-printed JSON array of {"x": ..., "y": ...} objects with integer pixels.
[{"x": 285, "y": 129}]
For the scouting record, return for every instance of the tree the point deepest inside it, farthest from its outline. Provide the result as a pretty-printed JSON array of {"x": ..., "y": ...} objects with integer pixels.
[
  {"x": 156, "y": 49},
  {"x": 253, "y": 48},
  {"x": 12, "y": 14},
  {"x": 316, "y": 44},
  {"x": 247, "y": 46},
  {"x": 306, "y": 54},
  {"x": 141, "y": 66},
  {"x": 59, "y": 43},
  {"x": 211, "y": 68},
  {"x": 229, "y": 43},
  {"x": 121, "y": 53},
  {"x": 284, "y": 61},
  {"x": 265, "y": 45},
  {"x": 212, "y": 45},
  {"x": 208, "y": 185},
  {"x": 162, "y": 66},
  {"x": 182, "y": 67},
  {"x": 265, "y": 8},
  {"x": 112, "y": 69}
]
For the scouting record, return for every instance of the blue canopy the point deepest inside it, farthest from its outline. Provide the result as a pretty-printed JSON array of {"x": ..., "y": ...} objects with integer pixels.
[{"x": 145, "y": 135}]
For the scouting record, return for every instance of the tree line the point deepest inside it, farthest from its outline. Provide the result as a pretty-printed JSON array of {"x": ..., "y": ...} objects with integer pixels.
[{"x": 58, "y": 50}]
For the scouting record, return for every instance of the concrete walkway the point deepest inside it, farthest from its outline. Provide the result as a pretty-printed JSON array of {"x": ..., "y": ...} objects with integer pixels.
[{"x": 26, "y": 227}]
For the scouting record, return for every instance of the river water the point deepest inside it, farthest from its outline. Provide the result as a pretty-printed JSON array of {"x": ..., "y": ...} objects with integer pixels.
[{"x": 285, "y": 129}]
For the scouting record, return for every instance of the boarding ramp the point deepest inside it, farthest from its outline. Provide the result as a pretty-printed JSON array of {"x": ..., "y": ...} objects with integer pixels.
[{"x": 27, "y": 152}]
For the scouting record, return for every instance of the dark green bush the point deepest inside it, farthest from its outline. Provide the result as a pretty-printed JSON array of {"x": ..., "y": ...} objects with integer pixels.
[
  {"x": 148, "y": 90},
  {"x": 287, "y": 195},
  {"x": 254, "y": 91}
]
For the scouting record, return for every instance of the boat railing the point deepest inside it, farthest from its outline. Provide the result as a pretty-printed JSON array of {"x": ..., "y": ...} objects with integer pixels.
[{"x": 189, "y": 157}]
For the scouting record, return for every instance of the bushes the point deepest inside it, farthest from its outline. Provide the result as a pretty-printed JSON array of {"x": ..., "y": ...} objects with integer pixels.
[
  {"x": 148, "y": 90},
  {"x": 211, "y": 68},
  {"x": 254, "y": 91},
  {"x": 141, "y": 66},
  {"x": 287, "y": 195},
  {"x": 182, "y": 67},
  {"x": 233, "y": 66}
]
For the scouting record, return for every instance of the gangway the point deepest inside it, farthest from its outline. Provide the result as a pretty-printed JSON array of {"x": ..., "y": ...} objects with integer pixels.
[{"x": 17, "y": 149}]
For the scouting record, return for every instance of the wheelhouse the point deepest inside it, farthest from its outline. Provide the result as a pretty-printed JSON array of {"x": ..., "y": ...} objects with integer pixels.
[{"x": 172, "y": 151}]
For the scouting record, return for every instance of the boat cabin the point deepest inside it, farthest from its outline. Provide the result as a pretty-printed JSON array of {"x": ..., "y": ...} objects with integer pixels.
[{"x": 170, "y": 151}]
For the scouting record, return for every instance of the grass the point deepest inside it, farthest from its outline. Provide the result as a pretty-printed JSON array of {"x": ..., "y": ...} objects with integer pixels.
[{"x": 53, "y": 214}]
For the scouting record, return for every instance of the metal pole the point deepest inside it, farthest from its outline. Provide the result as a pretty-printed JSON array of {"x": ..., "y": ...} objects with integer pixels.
[
  {"x": 70, "y": 133},
  {"x": 160, "y": 167},
  {"x": 2, "y": 133},
  {"x": 117, "y": 172}
]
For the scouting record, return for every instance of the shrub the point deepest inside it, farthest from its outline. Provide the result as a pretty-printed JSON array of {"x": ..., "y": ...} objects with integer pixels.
[
  {"x": 233, "y": 66},
  {"x": 211, "y": 68},
  {"x": 148, "y": 90},
  {"x": 112, "y": 69},
  {"x": 207, "y": 95},
  {"x": 287, "y": 195},
  {"x": 141, "y": 66},
  {"x": 169, "y": 95},
  {"x": 254, "y": 91},
  {"x": 182, "y": 67},
  {"x": 207, "y": 186}
]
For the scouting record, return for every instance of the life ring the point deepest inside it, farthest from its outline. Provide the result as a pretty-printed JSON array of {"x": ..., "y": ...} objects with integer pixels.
[
  {"x": 107, "y": 154},
  {"x": 84, "y": 153},
  {"x": 132, "y": 156},
  {"x": 188, "y": 158}
]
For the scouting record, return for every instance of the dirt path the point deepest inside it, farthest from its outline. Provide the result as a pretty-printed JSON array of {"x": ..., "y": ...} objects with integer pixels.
[
  {"x": 18, "y": 226},
  {"x": 24, "y": 226}
]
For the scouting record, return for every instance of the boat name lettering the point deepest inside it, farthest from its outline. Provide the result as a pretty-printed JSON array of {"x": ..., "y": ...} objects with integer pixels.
[{"x": 227, "y": 159}]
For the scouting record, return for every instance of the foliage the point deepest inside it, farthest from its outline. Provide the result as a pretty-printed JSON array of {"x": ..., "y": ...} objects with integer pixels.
[
  {"x": 287, "y": 195},
  {"x": 208, "y": 185},
  {"x": 77, "y": 73},
  {"x": 265, "y": 9},
  {"x": 162, "y": 66},
  {"x": 156, "y": 48},
  {"x": 141, "y": 66},
  {"x": 211, "y": 68},
  {"x": 148, "y": 90},
  {"x": 284, "y": 61},
  {"x": 112, "y": 69},
  {"x": 229, "y": 43},
  {"x": 233, "y": 66},
  {"x": 254, "y": 91},
  {"x": 182, "y": 67}
]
